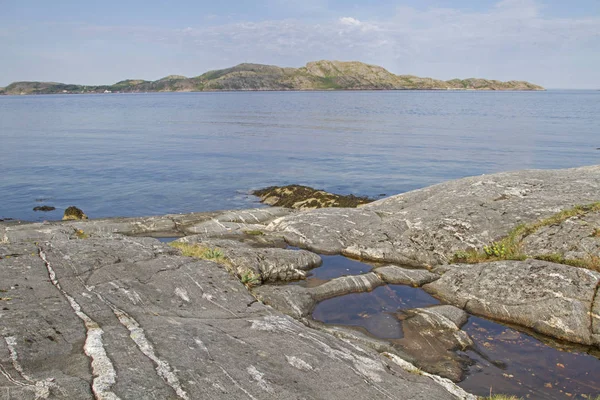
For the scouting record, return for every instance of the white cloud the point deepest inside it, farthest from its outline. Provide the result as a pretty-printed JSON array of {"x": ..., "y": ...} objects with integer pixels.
[{"x": 349, "y": 21}]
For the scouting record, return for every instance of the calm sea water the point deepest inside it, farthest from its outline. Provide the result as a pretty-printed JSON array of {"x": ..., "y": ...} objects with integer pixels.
[{"x": 148, "y": 154}]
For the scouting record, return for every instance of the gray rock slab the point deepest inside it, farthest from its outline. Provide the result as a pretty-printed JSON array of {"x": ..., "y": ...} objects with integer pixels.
[
  {"x": 260, "y": 216},
  {"x": 393, "y": 274},
  {"x": 36, "y": 232},
  {"x": 573, "y": 239},
  {"x": 116, "y": 317},
  {"x": 346, "y": 285},
  {"x": 240, "y": 237},
  {"x": 552, "y": 299},
  {"x": 293, "y": 300},
  {"x": 427, "y": 226},
  {"x": 270, "y": 264},
  {"x": 215, "y": 228}
]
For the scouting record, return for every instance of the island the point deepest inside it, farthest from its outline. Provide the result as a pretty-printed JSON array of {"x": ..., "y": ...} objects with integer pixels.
[{"x": 316, "y": 75}]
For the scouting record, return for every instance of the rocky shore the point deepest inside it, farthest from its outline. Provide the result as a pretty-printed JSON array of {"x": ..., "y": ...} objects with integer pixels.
[{"x": 99, "y": 309}]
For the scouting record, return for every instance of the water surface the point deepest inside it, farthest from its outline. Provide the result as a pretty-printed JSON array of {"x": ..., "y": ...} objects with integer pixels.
[{"x": 150, "y": 154}]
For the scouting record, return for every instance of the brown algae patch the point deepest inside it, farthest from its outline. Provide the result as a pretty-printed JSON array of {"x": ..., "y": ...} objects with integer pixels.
[{"x": 304, "y": 197}]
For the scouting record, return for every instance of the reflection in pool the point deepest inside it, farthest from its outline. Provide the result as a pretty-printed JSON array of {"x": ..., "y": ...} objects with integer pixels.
[
  {"x": 374, "y": 311},
  {"x": 333, "y": 267}
]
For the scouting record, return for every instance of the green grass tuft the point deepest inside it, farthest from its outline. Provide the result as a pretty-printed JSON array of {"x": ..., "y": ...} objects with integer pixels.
[
  {"x": 197, "y": 251},
  {"x": 510, "y": 247},
  {"x": 249, "y": 279}
]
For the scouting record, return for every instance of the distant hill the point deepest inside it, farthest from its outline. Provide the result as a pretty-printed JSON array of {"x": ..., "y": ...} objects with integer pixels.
[{"x": 316, "y": 75}]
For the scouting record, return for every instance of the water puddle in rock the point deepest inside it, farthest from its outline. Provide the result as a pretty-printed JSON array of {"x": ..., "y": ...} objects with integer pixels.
[
  {"x": 374, "y": 311},
  {"x": 531, "y": 369},
  {"x": 333, "y": 267},
  {"x": 506, "y": 360},
  {"x": 166, "y": 239}
]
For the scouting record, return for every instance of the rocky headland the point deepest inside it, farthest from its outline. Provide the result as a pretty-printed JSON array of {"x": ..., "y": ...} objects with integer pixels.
[
  {"x": 316, "y": 75},
  {"x": 99, "y": 309}
]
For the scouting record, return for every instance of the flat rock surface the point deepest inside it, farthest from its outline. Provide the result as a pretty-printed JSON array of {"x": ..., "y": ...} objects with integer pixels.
[
  {"x": 208, "y": 224},
  {"x": 552, "y": 299},
  {"x": 393, "y": 274},
  {"x": 427, "y": 226},
  {"x": 268, "y": 264},
  {"x": 111, "y": 317}
]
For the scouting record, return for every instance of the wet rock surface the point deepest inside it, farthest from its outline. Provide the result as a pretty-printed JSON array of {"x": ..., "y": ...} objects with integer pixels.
[
  {"x": 120, "y": 317},
  {"x": 432, "y": 336}
]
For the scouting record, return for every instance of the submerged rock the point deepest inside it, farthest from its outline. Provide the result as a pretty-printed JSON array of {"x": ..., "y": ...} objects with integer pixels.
[
  {"x": 74, "y": 213},
  {"x": 432, "y": 336},
  {"x": 44, "y": 208},
  {"x": 304, "y": 197}
]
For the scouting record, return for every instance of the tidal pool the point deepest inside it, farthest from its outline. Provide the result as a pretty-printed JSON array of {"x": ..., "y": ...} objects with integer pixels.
[{"x": 504, "y": 360}]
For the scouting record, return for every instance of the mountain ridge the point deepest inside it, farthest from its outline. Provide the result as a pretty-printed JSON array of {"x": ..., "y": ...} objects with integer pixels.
[{"x": 315, "y": 75}]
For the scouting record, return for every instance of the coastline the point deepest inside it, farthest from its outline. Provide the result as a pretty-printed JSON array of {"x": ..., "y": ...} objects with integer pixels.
[{"x": 246, "y": 266}]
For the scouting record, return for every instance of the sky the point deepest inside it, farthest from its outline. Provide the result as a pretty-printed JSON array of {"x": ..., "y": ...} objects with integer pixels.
[{"x": 554, "y": 43}]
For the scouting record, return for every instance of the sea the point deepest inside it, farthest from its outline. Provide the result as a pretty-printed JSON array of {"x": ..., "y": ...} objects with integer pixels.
[{"x": 158, "y": 153}]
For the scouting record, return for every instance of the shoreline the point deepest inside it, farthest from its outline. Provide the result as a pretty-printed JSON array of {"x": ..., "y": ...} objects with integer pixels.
[{"x": 475, "y": 244}]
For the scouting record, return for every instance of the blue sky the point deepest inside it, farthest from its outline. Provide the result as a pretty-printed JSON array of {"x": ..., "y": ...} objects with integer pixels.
[{"x": 549, "y": 42}]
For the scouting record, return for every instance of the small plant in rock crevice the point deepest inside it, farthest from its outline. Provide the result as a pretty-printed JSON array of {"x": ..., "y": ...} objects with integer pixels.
[
  {"x": 495, "y": 250},
  {"x": 510, "y": 247},
  {"x": 249, "y": 279},
  {"x": 198, "y": 251},
  {"x": 81, "y": 234}
]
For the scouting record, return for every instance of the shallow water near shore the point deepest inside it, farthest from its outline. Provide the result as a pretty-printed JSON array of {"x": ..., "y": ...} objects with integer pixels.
[
  {"x": 505, "y": 360},
  {"x": 151, "y": 154}
]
